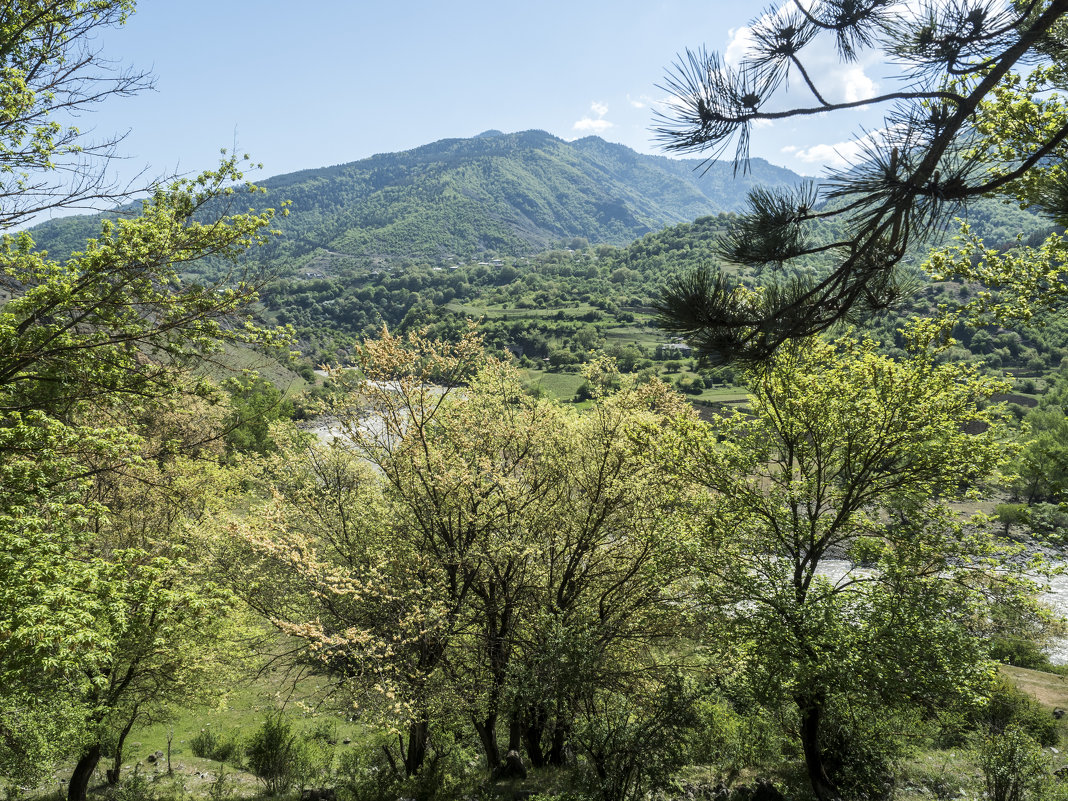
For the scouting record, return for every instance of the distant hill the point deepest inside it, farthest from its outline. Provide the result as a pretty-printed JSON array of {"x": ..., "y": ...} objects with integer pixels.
[{"x": 505, "y": 193}]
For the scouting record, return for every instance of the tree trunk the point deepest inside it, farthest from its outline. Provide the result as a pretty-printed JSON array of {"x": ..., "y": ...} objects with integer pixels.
[
  {"x": 418, "y": 737},
  {"x": 533, "y": 728},
  {"x": 558, "y": 747},
  {"x": 515, "y": 731},
  {"x": 83, "y": 773},
  {"x": 487, "y": 733},
  {"x": 810, "y": 708},
  {"x": 116, "y": 765}
]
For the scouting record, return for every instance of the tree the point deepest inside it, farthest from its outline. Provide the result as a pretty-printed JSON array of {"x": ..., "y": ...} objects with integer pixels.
[
  {"x": 507, "y": 558},
  {"x": 164, "y": 621},
  {"x": 938, "y": 149},
  {"x": 1042, "y": 465},
  {"x": 408, "y": 586},
  {"x": 51, "y": 69},
  {"x": 86, "y": 347},
  {"x": 614, "y": 557},
  {"x": 848, "y": 452}
]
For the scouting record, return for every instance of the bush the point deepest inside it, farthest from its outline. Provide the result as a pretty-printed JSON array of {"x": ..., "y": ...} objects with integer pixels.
[
  {"x": 1049, "y": 521},
  {"x": 275, "y": 755},
  {"x": 634, "y": 742},
  {"x": 1013, "y": 765},
  {"x": 729, "y": 742},
  {"x": 207, "y": 744},
  {"x": 367, "y": 774},
  {"x": 1007, "y": 708},
  {"x": 860, "y": 753},
  {"x": 1020, "y": 652}
]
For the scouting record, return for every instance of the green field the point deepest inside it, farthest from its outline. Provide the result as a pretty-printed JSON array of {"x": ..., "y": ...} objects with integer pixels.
[{"x": 556, "y": 385}]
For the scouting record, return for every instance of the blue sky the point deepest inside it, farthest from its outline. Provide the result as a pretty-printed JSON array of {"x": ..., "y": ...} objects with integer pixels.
[{"x": 313, "y": 83}]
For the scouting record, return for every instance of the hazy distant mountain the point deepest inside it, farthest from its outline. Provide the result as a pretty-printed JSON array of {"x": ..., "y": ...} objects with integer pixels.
[
  {"x": 507, "y": 193},
  {"x": 510, "y": 193}
]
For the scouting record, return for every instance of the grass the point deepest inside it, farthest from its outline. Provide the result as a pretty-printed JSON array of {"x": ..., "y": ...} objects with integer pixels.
[
  {"x": 1050, "y": 689},
  {"x": 568, "y": 310},
  {"x": 634, "y": 334},
  {"x": 235, "y": 359},
  {"x": 235, "y": 714},
  {"x": 557, "y": 385}
]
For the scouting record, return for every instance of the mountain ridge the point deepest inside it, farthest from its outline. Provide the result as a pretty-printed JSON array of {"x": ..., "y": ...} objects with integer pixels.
[{"x": 508, "y": 193}]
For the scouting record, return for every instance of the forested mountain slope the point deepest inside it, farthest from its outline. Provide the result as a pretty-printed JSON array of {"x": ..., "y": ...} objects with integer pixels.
[
  {"x": 504, "y": 194},
  {"x": 508, "y": 194}
]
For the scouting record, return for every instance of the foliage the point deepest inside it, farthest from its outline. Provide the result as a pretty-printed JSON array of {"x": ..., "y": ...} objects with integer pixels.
[
  {"x": 846, "y": 451},
  {"x": 948, "y": 136},
  {"x": 1007, "y": 707},
  {"x": 255, "y": 404},
  {"x": 50, "y": 66},
  {"x": 95, "y": 356},
  {"x": 729, "y": 741},
  {"x": 634, "y": 741},
  {"x": 1013, "y": 765},
  {"x": 507, "y": 557},
  {"x": 276, "y": 754},
  {"x": 210, "y": 744}
]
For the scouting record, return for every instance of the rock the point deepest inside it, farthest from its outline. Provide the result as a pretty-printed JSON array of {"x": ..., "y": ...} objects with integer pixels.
[
  {"x": 763, "y": 790},
  {"x": 1058, "y": 713},
  {"x": 346, "y": 741},
  {"x": 511, "y": 768}
]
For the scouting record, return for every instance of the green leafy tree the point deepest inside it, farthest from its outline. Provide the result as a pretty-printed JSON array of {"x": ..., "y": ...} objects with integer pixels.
[
  {"x": 255, "y": 404},
  {"x": 164, "y": 622},
  {"x": 848, "y": 452},
  {"x": 1042, "y": 465},
  {"x": 507, "y": 558},
  {"x": 87, "y": 345}
]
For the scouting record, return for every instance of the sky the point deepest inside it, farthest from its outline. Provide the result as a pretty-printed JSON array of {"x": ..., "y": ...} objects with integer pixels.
[{"x": 309, "y": 84}]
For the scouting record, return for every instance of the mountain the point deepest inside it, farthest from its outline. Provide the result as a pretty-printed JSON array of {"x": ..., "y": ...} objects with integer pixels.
[
  {"x": 504, "y": 193},
  {"x": 501, "y": 193}
]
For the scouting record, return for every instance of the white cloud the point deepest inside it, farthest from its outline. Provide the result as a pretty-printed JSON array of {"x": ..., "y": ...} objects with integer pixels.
[
  {"x": 834, "y": 156},
  {"x": 639, "y": 103},
  {"x": 740, "y": 41},
  {"x": 856, "y": 85},
  {"x": 595, "y": 124},
  {"x": 587, "y": 124}
]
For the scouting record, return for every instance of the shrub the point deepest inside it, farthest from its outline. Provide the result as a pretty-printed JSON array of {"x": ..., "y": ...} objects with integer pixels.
[
  {"x": 729, "y": 742},
  {"x": 1020, "y": 652},
  {"x": 1013, "y": 764},
  {"x": 366, "y": 775},
  {"x": 860, "y": 752},
  {"x": 275, "y": 755},
  {"x": 1008, "y": 707},
  {"x": 208, "y": 744},
  {"x": 633, "y": 742}
]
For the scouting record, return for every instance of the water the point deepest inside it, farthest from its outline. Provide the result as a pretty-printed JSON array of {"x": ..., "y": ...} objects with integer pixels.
[{"x": 1056, "y": 595}]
